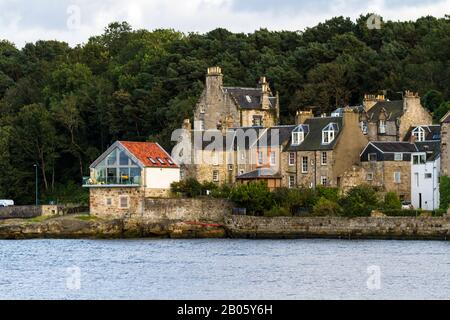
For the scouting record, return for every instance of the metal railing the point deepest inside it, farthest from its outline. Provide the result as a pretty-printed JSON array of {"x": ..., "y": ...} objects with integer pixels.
[{"x": 112, "y": 181}]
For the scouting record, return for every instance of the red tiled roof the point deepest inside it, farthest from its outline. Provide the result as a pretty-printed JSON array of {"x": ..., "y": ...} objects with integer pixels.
[{"x": 145, "y": 151}]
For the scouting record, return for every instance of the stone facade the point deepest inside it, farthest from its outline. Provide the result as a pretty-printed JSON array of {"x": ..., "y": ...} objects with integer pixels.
[
  {"x": 222, "y": 107},
  {"x": 391, "y": 120},
  {"x": 445, "y": 146}
]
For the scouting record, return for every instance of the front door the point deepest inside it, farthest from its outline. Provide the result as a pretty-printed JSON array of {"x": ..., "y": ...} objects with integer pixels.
[{"x": 420, "y": 201}]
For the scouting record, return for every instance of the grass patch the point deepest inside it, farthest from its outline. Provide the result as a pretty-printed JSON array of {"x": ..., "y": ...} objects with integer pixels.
[
  {"x": 86, "y": 217},
  {"x": 39, "y": 219}
]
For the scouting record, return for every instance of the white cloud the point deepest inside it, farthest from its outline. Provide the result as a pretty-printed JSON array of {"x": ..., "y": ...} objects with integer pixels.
[{"x": 24, "y": 21}]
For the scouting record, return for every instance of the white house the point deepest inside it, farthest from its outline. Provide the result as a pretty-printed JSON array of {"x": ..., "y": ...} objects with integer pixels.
[
  {"x": 425, "y": 167},
  {"x": 127, "y": 173}
]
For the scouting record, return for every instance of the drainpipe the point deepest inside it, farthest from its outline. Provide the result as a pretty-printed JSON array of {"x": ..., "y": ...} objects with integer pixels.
[{"x": 315, "y": 169}]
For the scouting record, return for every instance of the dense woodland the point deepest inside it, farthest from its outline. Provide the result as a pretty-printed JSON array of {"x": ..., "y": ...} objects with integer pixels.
[{"x": 60, "y": 107}]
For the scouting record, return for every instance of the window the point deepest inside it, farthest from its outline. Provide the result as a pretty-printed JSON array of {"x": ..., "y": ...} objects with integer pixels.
[
  {"x": 364, "y": 127},
  {"x": 170, "y": 161},
  {"x": 273, "y": 158},
  {"x": 369, "y": 176},
  {"x": 419, "y": 159},
  {"x": 329, "y": 133},
  {"x": 241, "y": 172},
  {"x": 248, "y": 98},
  {"x": 202, "y": 109},
  {"x": 291, "y": 182},
  {"x": 428, "y": 175},
  {"x": 416, "y": 179},
  {"x": 260, "y": 158},
  {"x": 123, "y": 159},
  {"x": 230, "y": 167},
  {"x": 382, "y": 128},
  {"x": 305, "y": 164},
  {"x": 123, "y": 202},
  {"x": 324, "y": 158},
  {"x": 257, "y": 121},
  {"x": 161, "y": 161},
  {"x": 292, "y": 158},
  {"x": 215, "y": 158},
  {"x": 152, "y": 160},
  {"x": 117, "y": 169},
  {"x": 216, "y": 176},
  {"x": 324, "y": 181},
  {"x": 108, "y": 201},
  {"x": 201, "y": 125},
  {"x": 419, "y": 134},
  {"x": 372, "y": 157},
  {"x": 397, "y": 177},
  {"x": 398, "y": 157},
  {"x": 299, "y": 133}
]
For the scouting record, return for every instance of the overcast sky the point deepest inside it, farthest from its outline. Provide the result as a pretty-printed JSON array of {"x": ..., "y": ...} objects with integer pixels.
[{"x": 74, "y": 21}]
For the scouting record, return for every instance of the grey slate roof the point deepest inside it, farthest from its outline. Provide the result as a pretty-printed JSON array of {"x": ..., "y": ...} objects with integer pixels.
[
  {"x": 313, "y": 140},
  {"x": 260, "y": 174},
  {"x": 432, "y": 148},
  {"x": 279, "y": 134},
  {"x": 254, "y": 94},
  {"x": 395, "y": 146},
  {"x": 394, "y": 110},
  {"x": 432, "y": 133}
]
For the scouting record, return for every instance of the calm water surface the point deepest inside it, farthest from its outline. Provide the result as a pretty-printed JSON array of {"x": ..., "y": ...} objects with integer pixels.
[{"x": 223, "y": 269}]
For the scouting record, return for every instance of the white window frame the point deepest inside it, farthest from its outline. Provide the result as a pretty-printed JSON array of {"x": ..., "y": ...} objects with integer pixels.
[
  {"x": 324, "y": 181},
  {"x": 202, "y": 109},
  {"x": 216, "y": 176},
  {"x": 230, "y": 167},
  {"x": 364, "y": 127},
  {"x": 419, "y": 133},
  {"x": 421, "y": 159},
  {"x": 369, "y": 157},
  {"x": 382, "y": 126},
  {"x": 128, "y": 202},
  {"x": 324, "y": 158},
  {"x": 273, "y": 158},
  {"x": 398, "y": 175},
  {"x": 398, "y": 156},
  {"x": 328, "y": 134},
  {"x": 292, "y": 158},
  {"x": 260, "y": 158},
  {"x": 305, "y": 166},
  {"x": 369, "y": 176},
  {"x": 291, "y": 182}
]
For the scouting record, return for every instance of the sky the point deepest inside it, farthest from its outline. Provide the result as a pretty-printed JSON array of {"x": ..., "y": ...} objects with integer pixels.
[{"x": 74, "y": 21}]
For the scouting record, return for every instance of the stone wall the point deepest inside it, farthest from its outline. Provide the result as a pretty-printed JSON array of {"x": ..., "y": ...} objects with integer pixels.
[
  {"x": 414, "y": 114},
  {"x": 445, "y": 149},
  {"x": 345, "y": 228},
  {"x": 20, "y": 212}
]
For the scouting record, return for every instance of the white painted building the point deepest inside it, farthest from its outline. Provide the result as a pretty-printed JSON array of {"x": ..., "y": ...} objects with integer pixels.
[{"x": 425, "y": 172}]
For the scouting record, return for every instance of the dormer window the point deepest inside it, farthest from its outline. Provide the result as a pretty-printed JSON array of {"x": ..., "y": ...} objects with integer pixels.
[
  {"x": 419, "y": 133},
  {"x": 299, "y": 134},
  {"x": 152, "y": 160},
  {"x": 329, "y": 133},
  {"x": 249, "y": 99},
  {"x": 364, "y": 127}
]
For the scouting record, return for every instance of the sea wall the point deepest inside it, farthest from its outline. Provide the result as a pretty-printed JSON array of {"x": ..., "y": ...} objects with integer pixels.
[
  {"x": 414, "y": 228},
  {"x": 27, "y": 212}
]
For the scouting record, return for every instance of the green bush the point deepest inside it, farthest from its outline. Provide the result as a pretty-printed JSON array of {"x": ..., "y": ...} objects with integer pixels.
[
  {"x": 71, "y": 193},
  {"x": 444, "y": 190},
  {"x": 402, "y": 213},
  {"x": 277, "y": 211},
  {"x": 392, "y": 201},
  {"x": 327, "y": 193},
  {"x": 255, "y": 197},
  {"x": 223, "y": 192},
  {"x": 359, "y": 201},
  {"x": 327, "y": 208},
  {"x": 190, "y": 188},
  {"x": 295, "y": 199}
]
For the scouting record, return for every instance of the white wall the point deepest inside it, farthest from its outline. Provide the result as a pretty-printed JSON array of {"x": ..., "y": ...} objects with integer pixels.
[
  {"x": 161, "y": 178},
  {"x": 429, "y": 188}
]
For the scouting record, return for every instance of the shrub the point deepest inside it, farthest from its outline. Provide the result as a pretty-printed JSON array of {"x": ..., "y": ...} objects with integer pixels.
[
  {"x": 327, "y": 193},
  {"x": 190, "y": 188},
  {"x": 295, "y": 200},
  {"x": 223, "y": 192},
  {"x": 277, "y": 211},
  {"x": 392, "y": 201},
  {"x": 359, "y": 201},
  {"x": 327, "y": 208},
  {"x": 401, "y": 213},
  {"x": 255, "y": 196}
]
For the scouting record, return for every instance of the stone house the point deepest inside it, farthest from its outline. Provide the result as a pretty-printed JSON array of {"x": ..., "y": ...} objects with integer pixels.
[
  {"x": 321, "y": 150},
  {"x": 384, "y": 120},
  {"x": 223, "y": 107},
  {"x": 127, "y": 173},
  {"x": 445, "y": 145},
  {"x": 387, "y": 167}
]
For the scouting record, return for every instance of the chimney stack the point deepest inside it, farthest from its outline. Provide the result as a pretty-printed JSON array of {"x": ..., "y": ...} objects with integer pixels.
[
  {"x": 302, "y": 116},
  {"x": 371, "y": 100},
  {"x": 214, "y": 78},
  {"x": 265, "y": 90}
]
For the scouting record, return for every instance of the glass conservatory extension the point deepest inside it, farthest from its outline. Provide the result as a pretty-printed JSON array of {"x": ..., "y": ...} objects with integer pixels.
[{"x": 117, "y": 169}]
